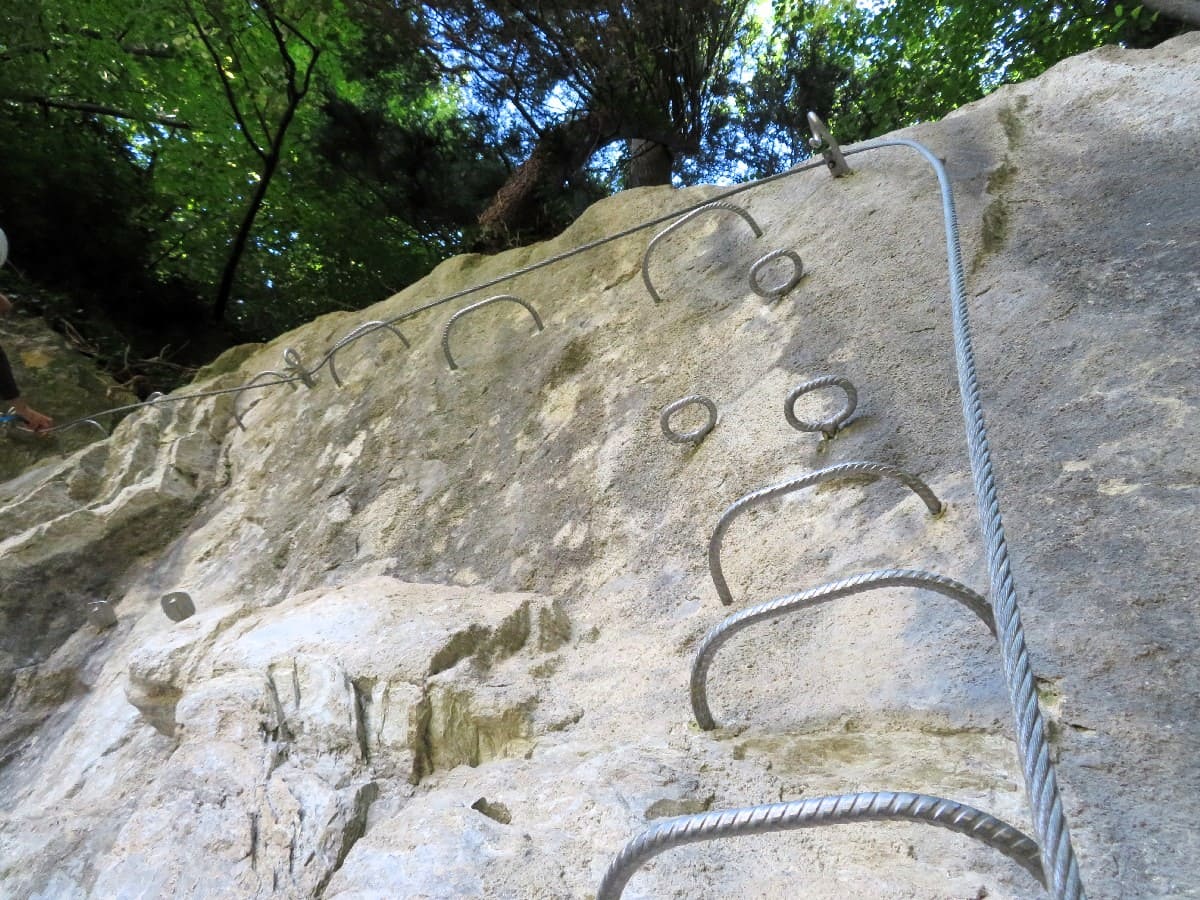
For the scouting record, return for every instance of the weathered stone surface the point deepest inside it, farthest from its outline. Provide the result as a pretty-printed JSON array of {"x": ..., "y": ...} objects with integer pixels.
[{"x": 445, "y": 619}]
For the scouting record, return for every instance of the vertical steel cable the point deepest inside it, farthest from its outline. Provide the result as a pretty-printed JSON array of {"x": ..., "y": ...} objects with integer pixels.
[{"x": 1041, "y": 784}]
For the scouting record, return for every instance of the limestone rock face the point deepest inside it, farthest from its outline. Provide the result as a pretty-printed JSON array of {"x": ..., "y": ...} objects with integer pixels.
[{"x": 445, "y": 618}]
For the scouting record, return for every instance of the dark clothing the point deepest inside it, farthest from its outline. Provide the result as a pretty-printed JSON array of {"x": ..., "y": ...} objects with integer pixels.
[{"x": 8, "y": 384}]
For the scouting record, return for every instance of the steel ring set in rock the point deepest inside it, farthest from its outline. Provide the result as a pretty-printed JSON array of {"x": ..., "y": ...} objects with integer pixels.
[
  {"x": 688, "y": 437},
  {"x": 771, "y": 293},
  {"x": 829, "y": 427}
]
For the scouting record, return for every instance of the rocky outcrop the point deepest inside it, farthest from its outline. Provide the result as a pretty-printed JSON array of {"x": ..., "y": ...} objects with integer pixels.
[{"x": 445, "y": 618}]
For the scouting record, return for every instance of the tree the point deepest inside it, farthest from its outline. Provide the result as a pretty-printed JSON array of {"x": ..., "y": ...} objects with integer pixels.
[
  {"x": 574, "y": 78},
  {"x": 264, "y": 81},
  {"x": 870, "y": 70}
]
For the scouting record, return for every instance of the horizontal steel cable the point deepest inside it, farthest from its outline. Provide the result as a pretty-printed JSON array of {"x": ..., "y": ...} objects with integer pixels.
[
  {"x": 483, "y": 285},
  {"x": 870, "y": 806},
  {"x": 720, "y": 634},
  {"x": 831, "y": 473}
]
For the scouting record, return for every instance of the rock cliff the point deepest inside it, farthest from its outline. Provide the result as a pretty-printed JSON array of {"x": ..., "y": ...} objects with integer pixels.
[{"x": 445, "y": 618}]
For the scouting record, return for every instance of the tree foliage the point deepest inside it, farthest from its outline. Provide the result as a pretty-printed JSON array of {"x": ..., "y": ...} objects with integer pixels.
[
  {"x": 569, "y": 79},
  {"x": 269, "y": 160}
]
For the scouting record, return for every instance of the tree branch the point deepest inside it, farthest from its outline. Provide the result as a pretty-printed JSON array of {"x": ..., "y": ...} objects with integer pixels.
[
  {"x": 98, "y": 109},
  {"x": 230, "y": 96}
]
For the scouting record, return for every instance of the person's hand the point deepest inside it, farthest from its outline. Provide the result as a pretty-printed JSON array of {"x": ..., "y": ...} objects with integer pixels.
[
  {"x": 5, "y": 305},
  {"x": 37, "y": 422}
]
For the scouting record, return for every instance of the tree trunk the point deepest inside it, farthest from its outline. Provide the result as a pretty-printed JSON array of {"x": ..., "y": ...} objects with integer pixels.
[
  {"x": 270, "y": 165},
  {"x": 560, "y": 153},
  {"x": 238, "y": 249},
  {"x": 649, "y": 163}
]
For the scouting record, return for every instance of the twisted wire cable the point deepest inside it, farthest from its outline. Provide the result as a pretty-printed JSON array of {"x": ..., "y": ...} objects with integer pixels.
[
  {"x": 715, "y": 206},
  {"x": 842, "y": 470},
  {"x": 719, "y": 635},
  {"x": 868, "y": 806},
  {"x": 829, "y": 427},
  {"x": 1041, "y": 782},
  {"x": 537, "y": 320}
]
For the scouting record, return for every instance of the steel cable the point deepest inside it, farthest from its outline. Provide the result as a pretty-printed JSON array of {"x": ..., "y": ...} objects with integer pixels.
[
  {"x": 870, "y": 806},
  {"x": 1041, "y": 783},
  {"x": 475, "y": 288}
]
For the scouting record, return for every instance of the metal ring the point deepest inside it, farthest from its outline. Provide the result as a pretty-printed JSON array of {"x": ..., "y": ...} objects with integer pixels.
[
  {"x": 775, "y": 293},
  {"x": 537, "y": 320},
  {"x": 829, "y": 427},
  {"x": 688, "y": 437}
]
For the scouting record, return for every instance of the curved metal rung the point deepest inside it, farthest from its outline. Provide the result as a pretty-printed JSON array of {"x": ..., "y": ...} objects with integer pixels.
[
  {"x": 294, "y": 365},
  {"x": 362, "y": 330},
  {"x": 537, "y": 320},
  {"x": 688, "y": 437},
  {"x": 715, "y": 206},
  {"x": 178, "y": 606},
  {"x": 281, "y": 379},
  {"x": 101, "y": 614},
  {"x": 822, "y": 142},
  {"x": 828, "y": 427},
  {"x": 870, "y": 806},
  {"x": 782, "y": 606},
  {"x": 844, "y": 470}
]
